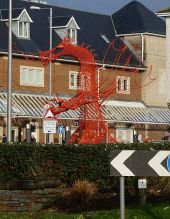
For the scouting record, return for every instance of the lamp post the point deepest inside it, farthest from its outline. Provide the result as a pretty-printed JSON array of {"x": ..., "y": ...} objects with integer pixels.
[
  {"x": 50, "y": 46},
  {"x": 9, "y": 93}
]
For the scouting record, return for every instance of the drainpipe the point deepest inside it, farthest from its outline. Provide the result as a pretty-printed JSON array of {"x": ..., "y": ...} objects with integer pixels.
[{"x": 142, "y": 57}]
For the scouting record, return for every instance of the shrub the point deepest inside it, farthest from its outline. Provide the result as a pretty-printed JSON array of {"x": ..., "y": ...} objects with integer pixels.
[
  {"x": 69, "y": 163},
  {"x": 158, "y": 184},
  {"x": 80, "y": 193}
]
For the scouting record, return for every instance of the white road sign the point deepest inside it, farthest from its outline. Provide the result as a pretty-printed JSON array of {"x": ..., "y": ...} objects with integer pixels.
[
  {"x": 142, "y": 184},
  {"x": 49, "y": 126},
  {"x": 118, "y": 162},
  {"x": 140, "y": 163},
  {"x": 156, "y": 163}
]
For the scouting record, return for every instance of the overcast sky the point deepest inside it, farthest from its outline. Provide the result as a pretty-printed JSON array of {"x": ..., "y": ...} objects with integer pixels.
[{"x": 107, "y": 6}]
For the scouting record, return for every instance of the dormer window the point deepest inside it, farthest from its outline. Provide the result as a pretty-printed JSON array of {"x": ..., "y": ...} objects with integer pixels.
[
  {"x": 72, "y": 34},
  {"x": 20, "y": 22},
  {"x": 23, "y": 29},
  {"x": 66, "y": 26}
]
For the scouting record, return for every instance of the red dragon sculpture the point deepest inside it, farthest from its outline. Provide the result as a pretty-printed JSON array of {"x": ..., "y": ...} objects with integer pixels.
[{"x": 92, "y": 128}]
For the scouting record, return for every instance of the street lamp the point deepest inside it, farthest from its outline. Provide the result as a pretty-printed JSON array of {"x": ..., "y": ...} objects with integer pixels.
[
  {"x": 9, "y": 93},
  {"x": 50, "y": 27},
  {"x": 50, "y": 76}
]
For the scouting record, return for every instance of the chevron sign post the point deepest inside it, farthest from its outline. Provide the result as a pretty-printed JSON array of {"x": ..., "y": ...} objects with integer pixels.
[
  {"x": 140, "y": 163},
  {"x": 137, "y": 163}
]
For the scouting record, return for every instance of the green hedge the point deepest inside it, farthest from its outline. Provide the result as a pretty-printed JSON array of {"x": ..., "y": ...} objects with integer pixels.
[{"x": 65, "y": 162}]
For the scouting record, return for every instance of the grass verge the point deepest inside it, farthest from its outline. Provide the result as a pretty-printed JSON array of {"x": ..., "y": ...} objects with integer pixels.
[{"x": 155, "y": 211}]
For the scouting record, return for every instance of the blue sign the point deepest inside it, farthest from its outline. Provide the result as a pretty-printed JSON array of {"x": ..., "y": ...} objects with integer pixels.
[
  {"x": 60, "y": 129},
  {"x": 168, "y": 163}
]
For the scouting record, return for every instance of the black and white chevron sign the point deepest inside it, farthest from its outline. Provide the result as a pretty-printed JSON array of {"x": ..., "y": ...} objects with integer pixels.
[{"x": 139, "y": 163}]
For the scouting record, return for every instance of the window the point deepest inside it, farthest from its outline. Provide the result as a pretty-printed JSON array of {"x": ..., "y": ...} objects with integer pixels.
[
  {"x": 72, "y": 34},
  {"x": 79, "y": 81},
  {"x": 119, "y": 84},
  {"x": 123, "y": 85},
  {"x": 124, "y": 135},
  {"x": 73, "y": 79},
  {"x": 31, "y": 76},
  {"x": 23, "y": 29}
]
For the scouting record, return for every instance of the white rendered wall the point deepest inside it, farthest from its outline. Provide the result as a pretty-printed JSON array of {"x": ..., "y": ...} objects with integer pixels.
[{"x": 168, "y": 56}]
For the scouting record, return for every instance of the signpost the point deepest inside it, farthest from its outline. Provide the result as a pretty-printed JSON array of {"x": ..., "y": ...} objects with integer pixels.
[
  {"x": 49, "y": 124},
  {"x": 138, "y": 163},
  {"x": 61, "y": 131},
  {"x": 142, "y": 184}
]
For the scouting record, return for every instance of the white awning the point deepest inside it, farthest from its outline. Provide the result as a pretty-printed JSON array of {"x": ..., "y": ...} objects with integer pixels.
[
  {"x": 146, "y": 115},
  {"x": 28, "y": 105},
  {"x": 23, "y": 105}
]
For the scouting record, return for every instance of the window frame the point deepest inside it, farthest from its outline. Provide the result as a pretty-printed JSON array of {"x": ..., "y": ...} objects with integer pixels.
[
  {"x": 73, "y": 37},
  {"x": 33, "y": 83},
  {"x": 121, "y": 87},
  {"x": 75, "y": 74},
  {"x": 22, "y": 29}
]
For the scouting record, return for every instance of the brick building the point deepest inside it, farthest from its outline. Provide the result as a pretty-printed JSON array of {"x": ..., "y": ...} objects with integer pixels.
[{"x": 138, "y": 105}]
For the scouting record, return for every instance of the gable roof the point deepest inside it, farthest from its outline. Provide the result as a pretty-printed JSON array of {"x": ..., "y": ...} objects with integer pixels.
[
  {"x": 72, "y": 20},
  {"x": 91, "y": 26},
  {"x": 63, "y": 21},
  {"x": 136, "y": 18}
]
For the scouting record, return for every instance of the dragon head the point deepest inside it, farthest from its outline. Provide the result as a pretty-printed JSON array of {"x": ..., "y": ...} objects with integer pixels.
[{"x": 47, "y": 56}]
